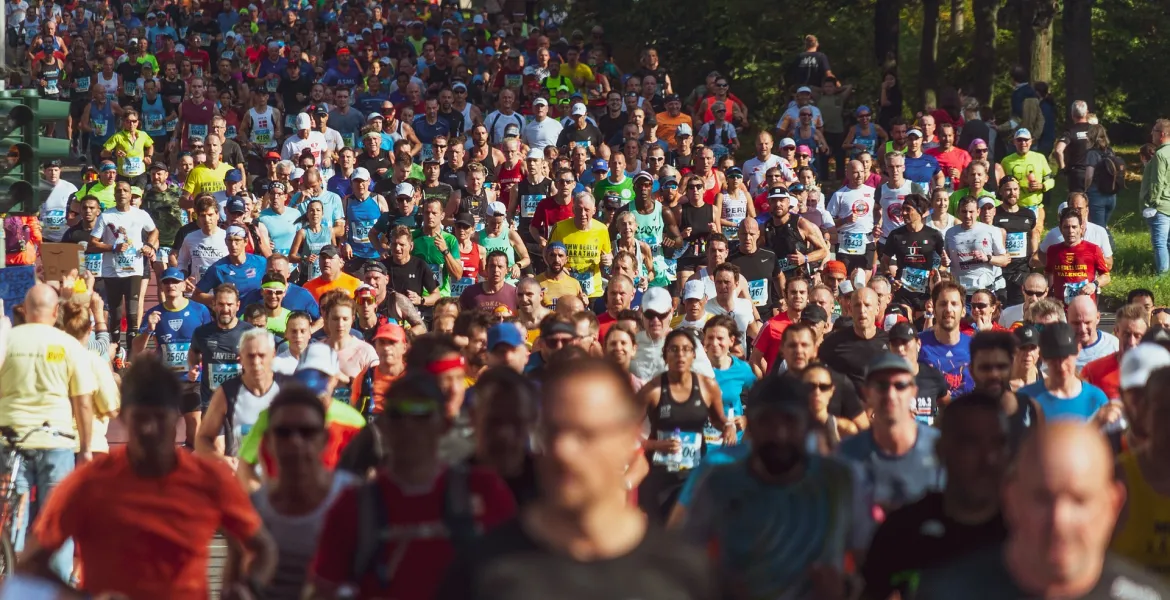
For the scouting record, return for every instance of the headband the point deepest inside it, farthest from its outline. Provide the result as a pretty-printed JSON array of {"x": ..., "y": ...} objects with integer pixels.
[{"x": 439, "y": 367}]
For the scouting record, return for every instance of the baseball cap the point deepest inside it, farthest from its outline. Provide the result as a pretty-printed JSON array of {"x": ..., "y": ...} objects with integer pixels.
[
  {"x": 133, "y": 42},
  {"x": 578, "y": 109},
  {"x": 464, "y": 219},
  {"x": 787, "y": 142},
  {"x": 834, "y": 267},
  {"x": 887, "y": 361},
  {"x": 914, "y": 133},
  {"x": 404, "y": 189},
  {"x": 804, "y": 89},
  {"x": 902, "y": 332},
  {"x": 372, "y": 266},
  {"x": 233, "y": 176},
  {"x": 512, "y": 131},
  {"x": 236, "y": 205},
  {"x": 320, "y": 358},
  {"x": 304, "y": 121},
  {"x": 778, "y": 192},
  {"x": 390, "y": 331},
  {"x": 643, "y": 175},
  {"x": 683, "y": 130},
  {"x": 986, "y": 201},
  {"x": 154, "y": 165},
  {"x": 1023, "y": 134},
  {"x": 803, "y": 150},
  {"x": 360, "y": 173},
  {"x": 374, "y": 115},
  {"x": 657, "y": 299},
  {"x": 297, "y": 173},
  {"x": 813, "y": 314},
  {"x": 600, "y": 165},
  {"x": 694, "y": 290},
  {"x": 671, "y": 98},
  {"x": 561, "y": 328},
  {"x": 1058, "y": 340},
  {"x": 775, "y": 392},
  {"x": 535, "y": 154},
  {"x": 272, "y": 156},
  {"x": 734, "y": 172},
  {"x": 504, "y": 333},
  {"x": 328, "y": 250},
  {"x": 1138, "y": 362},
  {"x": 235, "y": 231},
  {"x": 1027, "y": 335},
  {"x": 497, "y": 209},
  {"x": 540, "y": 102},
  {"x": 172, "y": 274}
]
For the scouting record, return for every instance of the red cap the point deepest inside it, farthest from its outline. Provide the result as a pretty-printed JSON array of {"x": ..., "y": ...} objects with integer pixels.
[
  {"x": 835, "y": 267},
  {"x": 272, "y": 156},
  {"x": 390, "y": 331}
]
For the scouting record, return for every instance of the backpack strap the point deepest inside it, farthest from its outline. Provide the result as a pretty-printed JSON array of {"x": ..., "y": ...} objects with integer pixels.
[
  {"x": 231, "y": 392},
  {"x": 372, "y": 535},
  {"x": 458, "y": 515}
]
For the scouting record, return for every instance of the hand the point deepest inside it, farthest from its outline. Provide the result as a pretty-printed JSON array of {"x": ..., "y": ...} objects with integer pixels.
[
  {"x": 346, "y": 252},
  {"x": 440, "y": 243},
  {"x": 67, "y": 281},
  {"x": 119, "y": 248},
  {"x": 148, "y": 252},
  {"x": 189, "y": 285},
  {"x": 953, "y": 173},
  {"x": 606, "y": 260},
  {"x": 83, "y": 457},
  {"x": 979, "y": 256},
  {"x": 672, "y": 446},
  {"x": 414, "y": 298},
  {"x": 97, "y": 305},
  {"x": 1036, "y": 186},
  {"x": 1109, "y": 413},
  {"x": 153, "y": 320},
  {"x": 729, "y": 434},
  {"x": 515, "y": 271},
  {"x": 797, "y": 258},
  {"x": 120, "y": 153},
  {"x": 1085, "y": 291},
  {"x": 686, "y": 233}
]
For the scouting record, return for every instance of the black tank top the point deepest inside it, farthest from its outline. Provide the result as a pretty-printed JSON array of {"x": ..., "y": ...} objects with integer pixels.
[
  {"x": 699, "y": 219},
  {"x": 528, "y": 194},
  {"x": 476, "y": 204},
  {"x": 489, "y": 163},
  {"x": 690, "y": 415},
  {"x": 785, "y": 239}
]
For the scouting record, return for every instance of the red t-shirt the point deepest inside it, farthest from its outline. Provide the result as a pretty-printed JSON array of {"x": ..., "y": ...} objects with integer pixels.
[
  {"x": 419, "y": 516},
  {"x": 199, "y": 57},
  {"x": 762, "y": 205},
  {"x": 1105, "y": 373},
  {"x": 769, "y": 338},
  {"x": 548, "y": 213},
  {"x": 1073, "y": 265},
  {"x": 954, "y": 158},
  {"x": 605, "y": 321}
]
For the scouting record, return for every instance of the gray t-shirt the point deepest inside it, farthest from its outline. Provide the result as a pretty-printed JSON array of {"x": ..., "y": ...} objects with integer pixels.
[
  {"x": 963, "y": 248},
  {"x": 348, "y": 125},
  {"x": 897, "y": 480}
]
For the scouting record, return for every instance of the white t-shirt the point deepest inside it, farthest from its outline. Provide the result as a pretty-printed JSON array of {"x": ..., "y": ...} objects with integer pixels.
[
  {"x": 754, "y": 170},
  {"x": 853, "y": 237},
  {"x": 200, "y": 251},
  {"x": 55, "y": 211},
  {"x": 539, "y": 134},
  {"x": 284, "y": 362},
  {"x": 793, "y": 114},
  {"x": 741, "y": 311},
  {"x": 891, "y": 206},
  {"x": 1011, "y": 314},
  {"x": 1105, "y": 345},
  {"x": 294, "y": 145},
  {"x": 115, "y": 227},
  {"x": 1093, "y": 233},
  {"x": 962, "y": 244},
  {"x": 496, "y": 122}
]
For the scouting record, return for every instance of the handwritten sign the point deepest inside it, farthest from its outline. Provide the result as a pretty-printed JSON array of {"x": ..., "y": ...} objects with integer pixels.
[{"x": 15, "y": 282}]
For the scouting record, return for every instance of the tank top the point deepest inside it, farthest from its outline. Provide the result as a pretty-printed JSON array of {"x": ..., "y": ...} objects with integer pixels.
[
  {"x": 197, "y": 118},
  {"x": 154, "y": 117},
  {"x": 489, "y": 163},
  {"x": 52, "y": 77},
  {"x": 509, "y": 177},
  {"x": 316, "y": 241},
  {"x": 360, "y": 216},
  {"x": 810, "y": 140},
  {"x": 651, "y": 229},
  {"x": 246, "y": 408},
  {"x": 109, "y": 85},
  {"x": 700, "y": 219},
  {"x": 470, "y": 260},
  {"x": 785, "y": 239},
  {"x": 103, "y": 123},
  {"x": 528, "y": 195},
  {"x": 261, "y": 132},
  {"x": 1145, "y": 535},
  {"x": 474, "y": 204},
  {"x": 501, "y": 243},
  {"x": 688, "y": 417},
  {"x": 734, "y": 210},
  {"x": 82, "y": 80},
  {"x": 869, "y": 141},
  {"x": 890, "y": 203}
]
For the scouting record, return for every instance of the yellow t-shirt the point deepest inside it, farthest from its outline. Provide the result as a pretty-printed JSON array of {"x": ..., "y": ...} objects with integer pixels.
[
  {"x": 43, "y": 368},
  {"x": 1143, "y": 537},
  {"x": 132, "y": 165},
  {"x": 580, "y": 76},
  {"x": 205, "y": 180},
  {"x": 585, "y": 249},
  {"x": 667, "y": 125},
  {"x": 553, "y": 289},
  {"x": 107, "y": 399}
]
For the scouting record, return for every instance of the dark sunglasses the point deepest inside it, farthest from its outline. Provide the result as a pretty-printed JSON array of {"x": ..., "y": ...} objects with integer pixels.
[
  {"x": 307, "y": 432},
  {"x": 901, "y": 386},
  {"x": 657, "y": 316},
  {"x": 979, "y": 305},
  {"x": 696, "y": 186},
  {"x": 821, "y": 387},
  {"x": 1035, "y": 293}
]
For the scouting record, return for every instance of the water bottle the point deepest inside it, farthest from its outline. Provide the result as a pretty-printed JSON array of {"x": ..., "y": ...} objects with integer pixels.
[{"x": 675, "y": 461}]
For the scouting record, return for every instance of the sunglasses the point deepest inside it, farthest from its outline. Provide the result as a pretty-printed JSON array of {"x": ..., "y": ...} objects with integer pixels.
[
  {"x": 654, "y": 315},
  {"x": 979, "y": 305},
  {"x": 979, "y": 150},
  {"x": 568, "y": 181},
  {"x": 557, "y": 342},
  {"x": 671, "y": 186},
  {"x": 1161, "y": 311},
  {"x": 1035, "y": 293},
  {"x": 901, "y": 386},
  {"x": 696, "y": 186},
  {"x": 307, "y": 432},
  {"x": 820, "y": 387},
  {"x": 863, "y": 116}
]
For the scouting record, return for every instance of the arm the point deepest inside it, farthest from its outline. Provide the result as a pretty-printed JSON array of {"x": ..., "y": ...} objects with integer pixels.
[
  {"x": 208, "y": 440},
  {"x": 522, "y": 258},
  {"x": 83, "y": 419},
  {"x": 813, "y": 237},
  {"x": 1058, "y": 153}
]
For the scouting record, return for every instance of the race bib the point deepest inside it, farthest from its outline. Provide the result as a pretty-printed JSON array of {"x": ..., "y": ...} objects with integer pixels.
[
  {"x": 758, "y": 290},
  {"x": 93, "y": 264},
  {"x": 199, "y": 131},
  {"x": 82, "y": 85},
  {"x": 582, "y": 143},
  {"x": 1017, "y": 244},
  {"x": 263, "y": 137},
  {"x": 437, "y": 271},
  {"x": 427, "y": 152},
  {"x": 153, "y": 122},
  {"x": 290, "y": 122},
  {"x": 586, "y": 281},
  {"x": 349, "y": 139},
  {"x": 51, "y": 87},
  {"x": 128, "y": 261},
  {"x": 99, "y": 127},
  {"x": 853, "y": 243},
  {"x": 133, "y": 166},
  {"x": 513, "y": 80},
  {"x": 360, "y": 232},
  {"x": 130, "y": 88},
  {"x": 687, "y": 458},
  {"x": 271, "y": 84},
  {"x": 915, "y": 280},
  {"x": 528, "y": 205},
  {"x": 175, "y": 355},
  {"x": 55, "y": 222},
  {"x": 1072, "y": 290},
  {"x": 221, "y": 373},
  {"x": 231, "y": 132},
  {"x": 671, "y": 268},
  {"x": 461, "y": 284},
  {"x": 172, "y": 124},
  {"x": 228, "y": 54}
]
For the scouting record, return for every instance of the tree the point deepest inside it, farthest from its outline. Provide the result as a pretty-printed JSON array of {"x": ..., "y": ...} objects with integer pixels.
[
  {"x": 928, "y": 53},
  {"x": 1078, "y": 51},
  {"x": 1035, "y": 36},
  {"x": 887, "y": 27},
  {"x": 956, "y": 17},
  {"x": 986, "y": 31}
]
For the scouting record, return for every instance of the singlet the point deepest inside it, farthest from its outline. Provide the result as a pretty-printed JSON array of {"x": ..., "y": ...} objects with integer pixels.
[
  {"x": 154, "y": 117},
  {"x": 890, "y": 204},
  {"x": 470, "y": 260},
  {"x": 282, "y": 227},
  {"x": 785, "y": 239},
  {"x": 869, "y": 141},
  {"x": 489, "y": 163},
  {"x": 52, "y": 77},
  {"x": 315, "y": 242},
  {"x": 509, "y": 177},
  {"x": 360, "y": 216},
  {"x": 474, "y": 204},
  {"x": 651, "y": 229},
  {"x": 688, "y": 417},
  {"x": 502, "y": 243},
  {"x": 734, "y": 210},
  {"x": 528, "y": 195},
  {"x": 82, "y": 77},
  {"x": 197, "y": 119},
  {"x": 700, "y": 219},
  {"x": 262, "y": 132},
  {"x": 811, "y": 140},
  {"x": 109, "y": 85},
  {"x": 103, "y": 123},
  {"x": 1143, "y": 537},
  {"x": 246, "y": 408}
]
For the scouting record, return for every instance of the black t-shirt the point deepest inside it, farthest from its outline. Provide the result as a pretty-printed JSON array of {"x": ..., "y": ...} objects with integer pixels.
[
  {"x": 373, "y": 164},
  {"x": 932, "y": 386},
  {"x": 760, "y": 270},
  {"x": 848, "y": 354},
  {"x": 572, "y": 135},
  {"x": 983, "y": 574},
  {"x": 414, "y": 276},
  {"x": 809, "y": 69},
  {"x": 181, "y": 234},
  {"x": 172, "y": 89},
  {"x": 916, "y": 249},
  {"x": 217, "y": 347},
  {"x": 1076, "y": 141},
  {"x": 917, "y": 537},
  {"x": 439, "y": 190},
  {"x": 77, "y": 234},
  {"x": 509, "y": 564},
  {"x": 288, "y": 89},
  {"x": 1018, "y": 226},
  {"x": 612, "y": 126}
]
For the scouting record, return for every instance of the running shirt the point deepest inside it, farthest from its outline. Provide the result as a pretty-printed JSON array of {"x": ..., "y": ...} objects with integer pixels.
[
  {"x": 963, "y": 246},
  {"x": 1081, "y": 407},
  {"x": 922, "y": 169},
  {"x": 611, "y": 195},
  {"x": 360, "y": 216},
  {"x": 54, "y": 212},
  {"x": 282, "y": 227},
  {"x": 116, "y": 227},
  {"x": 891, "y": 206},
  {"x": 219, "y": 360},
  {"x": 1142, "y": 536},
  {"x": 199, "y": 251},
  {"x": 953, "y": 361},
  {"x": 897, "y": 480},
  {"x": 853, "y": 237},
  {"x": 1105, "y": 345},
  {"x": 917, "y": 254},
  {"x": 734, "y": 210},
  {"x": 734, "y": 381},
  {"x": 263, "y": 130},
  {"x": 549, "y": 212},
  {"x": 1074, "y": 267},
  {"x": 528, "y": 196},
  {"x": 175, "y": 330},
  {"x": 1018, "y": 245},
  {"x": 424, "y": 248},
  {"x": 585, "y": 248},
  {"x": 651, "y": 229},
  {"x": 932, "y": 387},
  {"x": 245, "y": 276}
]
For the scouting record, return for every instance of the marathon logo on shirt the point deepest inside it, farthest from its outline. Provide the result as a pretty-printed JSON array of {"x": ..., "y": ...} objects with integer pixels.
[
  {"x": 54, "y": 354},
  {"x": 861, "y": 207},
  {"x": 174, "y": 324}
]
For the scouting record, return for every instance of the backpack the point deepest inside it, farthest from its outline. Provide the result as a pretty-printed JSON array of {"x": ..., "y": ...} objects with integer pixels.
[
  {"x": 16, "y": 235},
  {"x": 373, "y": 528},
  {"x": 1110, "y": 174}
]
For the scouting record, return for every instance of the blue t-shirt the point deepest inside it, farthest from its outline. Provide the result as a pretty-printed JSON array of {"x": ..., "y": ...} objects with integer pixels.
[
  {"x": 714, "y": 457},
  {"x": 296, "y": 299},
  {"x": 953, "y": 361},
  {"x": 282, "y": 228},
  {"x": 732, "y": 382},
  {"x": 897, "y": 480},
  {"x": 174, "y": 331},
  {"x": 246, "y": 277},
  {"x": 1081, "y": 407},
  {"x": 922, "y": 169}
]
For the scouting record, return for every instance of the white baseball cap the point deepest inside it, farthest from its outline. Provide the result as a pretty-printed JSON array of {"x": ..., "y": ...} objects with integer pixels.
[
  {"x": 540, "y": 102},
  {"x": 984, "y": 202},
  {"x": 1138, "y": 362},
  {"x": 694, "y": 290},
  {"x": 683, "y": 130},
  {"x": 319, "y": 357},
  {"x": 404, "y": 189},
  {"x": 497, "y": 209},
  {"x": 535, "y": 154},
  {"x": 578, "y": 109},
  {"x": 786, "y": 142},
  {"x": 657, "y": 299},
  {"x": 360, "y": 173},
  {"x": 304, "y": 121}
]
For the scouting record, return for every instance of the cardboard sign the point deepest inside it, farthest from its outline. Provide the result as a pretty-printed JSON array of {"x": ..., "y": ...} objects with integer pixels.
[
  {"x": 58, "y": 259},
  {"x": 15, "y": 282}
]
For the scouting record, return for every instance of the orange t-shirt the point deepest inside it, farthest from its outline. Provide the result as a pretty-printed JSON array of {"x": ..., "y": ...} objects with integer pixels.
[
  {"x": 146, "y": 538},
  {"x": 319, "y": 285},
  {"x": 1105, "y": 373},
  {"x": 668, "y": 125},
  {"x": 380, "y": 385}
]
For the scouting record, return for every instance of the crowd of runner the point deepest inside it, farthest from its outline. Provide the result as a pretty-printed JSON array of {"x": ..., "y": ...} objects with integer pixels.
[{"x": 450, "y": 305}]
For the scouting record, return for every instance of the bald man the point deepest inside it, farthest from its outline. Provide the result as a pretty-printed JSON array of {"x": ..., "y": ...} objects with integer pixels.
[
  {"x": 1083, "y": 315},
  {"x": 40, "y": 382},
  {"x": 1060, "y": 505},
  {"x": 1141, "y": 534}
]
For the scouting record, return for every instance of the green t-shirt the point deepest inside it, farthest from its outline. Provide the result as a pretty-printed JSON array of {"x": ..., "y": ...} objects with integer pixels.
[
  {"x": 963, "y": 193},
  {"x": 424, "y": 248},
  {"x": 104, "y": 193},
  {"x": 611, "y": 196}
]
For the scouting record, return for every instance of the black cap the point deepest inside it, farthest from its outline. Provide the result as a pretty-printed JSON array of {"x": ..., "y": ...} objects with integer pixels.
[
  {"x": 887, "y": 361},
  {"x": 320, "y": 110},
  {"x": 465, "y": 219},
  {"x": 896, "y": 309},
  {"x": 1027, "y": 335},
  {"x": 51, "y": 162},
  {"x": 1058, "y": 340},
  {"x": 373, "y": 266},
  {"x": 154, "y": 165},
  {"x": 903, "y": 332},
  {"x": 813, "y": 313},
  {"x": 671, "y": 98},
  {"x": 777, "y": 392},
  {"x": 328, "y": 250},
  {"x": 796, "y": 188},
  {"x": 558, "y": 328},
  {"x": 261, "y": 186}
]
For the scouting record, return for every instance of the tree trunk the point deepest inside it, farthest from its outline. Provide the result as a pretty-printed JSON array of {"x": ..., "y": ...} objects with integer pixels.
[
  {"x": 1025, "y": 35},
  {"x": 928, "y": 54},
  {"x": 1078, "y": 51},
  {"x": 986, "y": 29},
  {"x": 957, "y": 17},
  {"x": 886, "y": 30}
]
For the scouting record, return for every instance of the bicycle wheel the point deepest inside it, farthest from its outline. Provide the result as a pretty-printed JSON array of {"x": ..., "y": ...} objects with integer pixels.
[{"x": 7, "y": 555}]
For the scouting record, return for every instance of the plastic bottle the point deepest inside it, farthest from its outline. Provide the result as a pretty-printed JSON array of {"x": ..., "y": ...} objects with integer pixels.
[{"x": 675, "y": 461}]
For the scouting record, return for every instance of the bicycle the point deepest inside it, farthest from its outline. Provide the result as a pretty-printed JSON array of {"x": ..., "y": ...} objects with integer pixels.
[{"x": 10, "y": 499}]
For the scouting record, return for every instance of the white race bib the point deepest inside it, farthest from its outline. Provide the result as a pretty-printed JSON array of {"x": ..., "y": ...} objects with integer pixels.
[
  {"x": 460, "y": 285},
  {"x": 853, "y": 243},
  {"x": 221, "y": 373},
  {"x": 1017, "y": 244},
  {"x": 758, "y": 290},
  {"x": 915, "y": 280}
]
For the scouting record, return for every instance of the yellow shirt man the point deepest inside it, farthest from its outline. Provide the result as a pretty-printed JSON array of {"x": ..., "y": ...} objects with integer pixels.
[
  {"x": 43, "y": 368},
  {"x": 207, "y": 180},
  {"x": 133, "y": 163},
  {"x": 584, "y": 248},
  {"x": 554, "y": 288},
  {"x": 581, "y": 75}
]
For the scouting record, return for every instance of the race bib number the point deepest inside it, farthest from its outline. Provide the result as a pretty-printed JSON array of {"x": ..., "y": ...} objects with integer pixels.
[
  {"x": 513, "y": 80},
  {"x": 341, "y": 394},
  {"x": 221, "y": 373},
  {"x": 427, "y": 152},
  {"x": 82, "y": 85},
  {"x": 1072, "y": 290},
  {"x": 133, "y": 166},
  {"x": 290, "y": 122},
  {"x": 528, "y": 205},
  {"x": 172, "y": 124},
  {"x": 199, "y": 131},
  {"x": 263, "y": 137},
  {"x": 786, "y": 265},
  {"x": 153, "y": 122},
  {"x": 711, "y": 436},
  {"x": 128, "y": 261},
  {"x": 349, "y": 139},
  {"x": 55, "y": 222},
  {"x": 758, "y": 290},
  {"x": 93, "y": 264},
  {"x": 360, "y": 232},
  {"x": 271, "y": 84},
  {"x": 231, "y": 132},
  {"x": 853, "y": 243},
  {"x": 1017, "y": 244},
  {"x": 51, "y": 87},
  {"x": 687, "y": 458},
  {"x": 586, "y": 281},
  {"x": 175, "y": 355},
  {"x": 460, "y": 285},
  {"x": 228, "y": 54},
  {"x": 130, "y": 88},
  {"x": 99, "y": 127},
  {"x": 914, "y": 280},
  {"x": 582, "y": 143},
  {"x": 671, "y": 268},
  {"x": 437, "y": 271}
]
